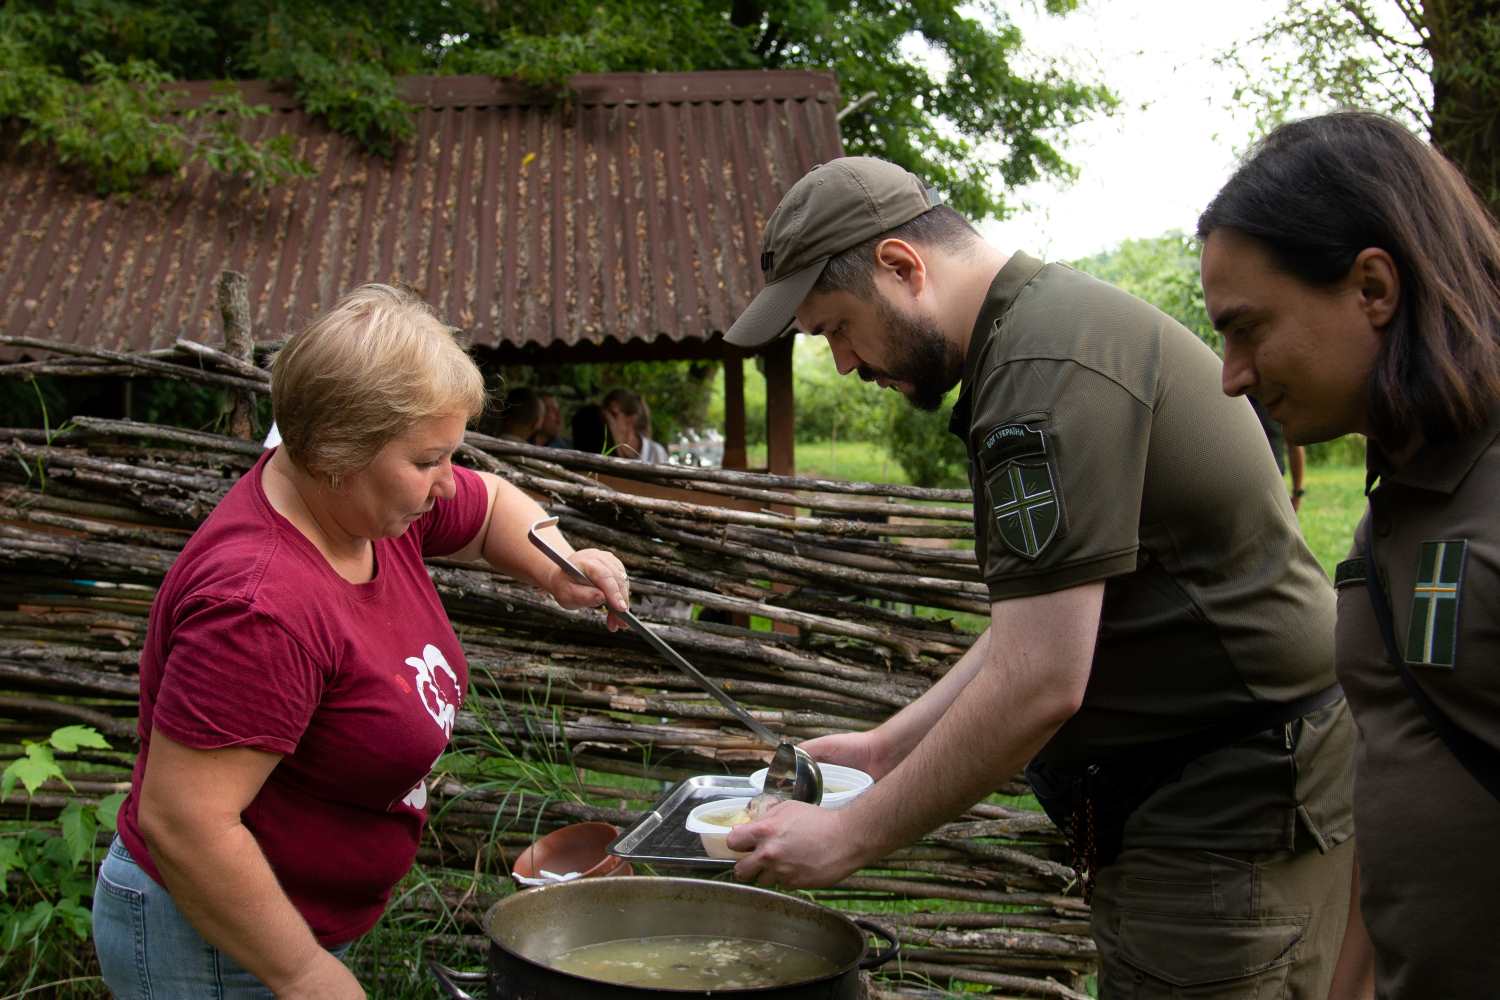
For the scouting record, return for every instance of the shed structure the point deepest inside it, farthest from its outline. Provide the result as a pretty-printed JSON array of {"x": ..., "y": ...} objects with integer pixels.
[{"x": 619, "y": 222}]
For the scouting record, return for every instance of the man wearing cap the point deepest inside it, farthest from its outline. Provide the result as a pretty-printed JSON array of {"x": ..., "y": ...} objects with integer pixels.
[{"x": 1160, "y": 642}]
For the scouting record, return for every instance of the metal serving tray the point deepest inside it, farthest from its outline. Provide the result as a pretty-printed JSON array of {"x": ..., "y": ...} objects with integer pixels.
[{"x": 661, "y": 836}]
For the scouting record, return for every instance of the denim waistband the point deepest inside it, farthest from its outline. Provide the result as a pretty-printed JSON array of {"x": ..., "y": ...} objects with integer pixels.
[{"x": 117, "y": 849}]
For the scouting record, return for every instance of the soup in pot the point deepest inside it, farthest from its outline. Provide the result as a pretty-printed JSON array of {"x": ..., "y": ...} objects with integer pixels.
[{"x": 694, "y": 962}]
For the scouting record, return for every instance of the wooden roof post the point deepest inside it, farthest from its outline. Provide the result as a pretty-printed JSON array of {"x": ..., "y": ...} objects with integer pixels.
[
  {"x": 734, "y": 413},
  {"x": 781, "y": 437},
  {"x": 781, "y": 409}
]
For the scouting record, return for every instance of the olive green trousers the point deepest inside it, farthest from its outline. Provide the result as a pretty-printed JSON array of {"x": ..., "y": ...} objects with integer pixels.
[{"x": 1231, "y": 926}]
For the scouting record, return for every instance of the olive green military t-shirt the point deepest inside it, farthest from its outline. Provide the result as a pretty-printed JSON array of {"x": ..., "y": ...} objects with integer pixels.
[
  {"x": 1427, "y": 829},
  {"x": 1102, "y": 448}
]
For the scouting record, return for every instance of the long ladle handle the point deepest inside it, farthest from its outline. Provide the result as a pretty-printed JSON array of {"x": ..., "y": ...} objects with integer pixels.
[{"x": 656, "y": 642}]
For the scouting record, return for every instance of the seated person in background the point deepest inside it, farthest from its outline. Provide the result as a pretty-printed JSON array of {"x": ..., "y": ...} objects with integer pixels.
[
  {"x": 520, "y": 415},
  {"x": 629, "y": 421},
  {"x": 549, "y": 432},
  {"x": 591, "y": 430}
]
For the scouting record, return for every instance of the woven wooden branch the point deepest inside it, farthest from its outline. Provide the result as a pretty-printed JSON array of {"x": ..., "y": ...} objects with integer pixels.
[{"x": 91, "y": 519}]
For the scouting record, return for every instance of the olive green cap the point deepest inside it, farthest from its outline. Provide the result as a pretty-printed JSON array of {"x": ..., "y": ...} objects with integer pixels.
[{"x": 836, "y": 205}]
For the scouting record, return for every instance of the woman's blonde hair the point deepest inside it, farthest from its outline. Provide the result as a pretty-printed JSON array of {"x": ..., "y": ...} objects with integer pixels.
[{"x": 362, "y": 374}]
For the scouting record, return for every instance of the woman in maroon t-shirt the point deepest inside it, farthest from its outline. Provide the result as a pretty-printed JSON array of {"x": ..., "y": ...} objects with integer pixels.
[{"x": 300, "y": 677}]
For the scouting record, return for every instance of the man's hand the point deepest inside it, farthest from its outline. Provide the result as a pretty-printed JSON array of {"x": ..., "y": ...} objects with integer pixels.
[
  {"x": 611, "y": 585},
  {"x": 797, "y": 846},
  {"x": 863, "y": 751}
]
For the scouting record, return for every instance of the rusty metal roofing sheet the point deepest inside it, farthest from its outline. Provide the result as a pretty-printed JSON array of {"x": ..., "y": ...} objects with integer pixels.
[{"x": 631, "y": 211}]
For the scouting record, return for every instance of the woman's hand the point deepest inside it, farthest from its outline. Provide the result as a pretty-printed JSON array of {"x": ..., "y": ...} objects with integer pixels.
[
  {"x": 325, "y": 978},
  {"x": 611, "y": 585}
]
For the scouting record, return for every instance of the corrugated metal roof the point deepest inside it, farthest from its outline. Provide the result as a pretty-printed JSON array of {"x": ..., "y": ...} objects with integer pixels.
[{"x": 632, "y": 211}]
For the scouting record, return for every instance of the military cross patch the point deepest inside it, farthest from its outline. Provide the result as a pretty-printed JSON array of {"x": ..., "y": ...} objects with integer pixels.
[
  {"x": 1024, "y": 501},
  {"x": 1432, "y": 637}
]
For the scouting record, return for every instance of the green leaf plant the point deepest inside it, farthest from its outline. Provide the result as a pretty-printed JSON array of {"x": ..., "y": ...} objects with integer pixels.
[{"x": 48, "y": 866}]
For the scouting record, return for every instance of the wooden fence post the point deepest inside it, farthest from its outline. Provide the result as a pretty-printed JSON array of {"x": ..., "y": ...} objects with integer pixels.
[{"x": 234, "y": 311}]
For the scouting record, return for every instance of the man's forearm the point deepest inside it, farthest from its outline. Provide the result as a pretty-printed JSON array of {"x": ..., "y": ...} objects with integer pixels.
[
  {"x": 970, "y": 751},
  {"x": 1017, "y": 694},
  {"x": 899, "y": 734}
]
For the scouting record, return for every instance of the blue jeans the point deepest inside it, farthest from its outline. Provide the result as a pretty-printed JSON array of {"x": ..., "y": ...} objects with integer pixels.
[{"x": 149, "y": 951}]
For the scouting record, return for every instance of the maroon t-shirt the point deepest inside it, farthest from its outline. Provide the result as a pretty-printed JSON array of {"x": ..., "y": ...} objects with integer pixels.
[{"x": 255, "y": 641}]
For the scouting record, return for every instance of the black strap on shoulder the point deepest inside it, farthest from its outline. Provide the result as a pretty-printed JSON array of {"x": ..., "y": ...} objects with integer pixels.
[{"x": 1479, "y": 759}]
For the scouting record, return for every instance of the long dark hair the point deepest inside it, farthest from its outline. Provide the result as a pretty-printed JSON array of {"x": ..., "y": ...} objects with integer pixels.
[{"x": 1317, "y": 192}]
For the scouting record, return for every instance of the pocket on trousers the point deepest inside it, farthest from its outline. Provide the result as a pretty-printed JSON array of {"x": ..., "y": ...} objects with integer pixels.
[
  {"x": 1211, "y": 956},
  {"x": 120, "y": 937}
]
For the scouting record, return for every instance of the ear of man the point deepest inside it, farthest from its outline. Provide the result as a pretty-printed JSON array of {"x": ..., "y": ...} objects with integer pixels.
[
  {"x": 898, "y": 260},
  {"x": 1375, "y": 275}
]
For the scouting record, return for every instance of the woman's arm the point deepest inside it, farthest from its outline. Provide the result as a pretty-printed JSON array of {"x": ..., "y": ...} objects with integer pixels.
[
  {"x": 189, "y": 815},
  {"x": 502, "y": 543}
]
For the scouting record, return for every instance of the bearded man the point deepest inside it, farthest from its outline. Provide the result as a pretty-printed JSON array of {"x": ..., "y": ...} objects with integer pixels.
[{"x": 1160, "y": 649}]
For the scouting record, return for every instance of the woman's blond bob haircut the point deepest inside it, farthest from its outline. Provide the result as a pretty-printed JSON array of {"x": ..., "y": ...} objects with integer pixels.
[{"x": 362, "y": 374}]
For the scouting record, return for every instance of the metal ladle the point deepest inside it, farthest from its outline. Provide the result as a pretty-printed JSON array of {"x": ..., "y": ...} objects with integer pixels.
[{"x": 792, "y": 774}]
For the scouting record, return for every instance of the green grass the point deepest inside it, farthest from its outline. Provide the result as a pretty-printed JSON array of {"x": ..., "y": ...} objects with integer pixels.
[
  {"x": 856, "y": 461},
  {"x": 1334, "y": 503}
]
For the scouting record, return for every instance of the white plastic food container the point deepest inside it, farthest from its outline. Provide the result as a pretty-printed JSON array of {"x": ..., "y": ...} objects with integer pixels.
[
  {"x": 703, "y": 821},
  {"x": 841, "y": 785}
]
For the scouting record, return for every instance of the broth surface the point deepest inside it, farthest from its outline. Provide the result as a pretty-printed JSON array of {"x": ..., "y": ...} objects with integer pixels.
[{"x": 694, "y": 962}]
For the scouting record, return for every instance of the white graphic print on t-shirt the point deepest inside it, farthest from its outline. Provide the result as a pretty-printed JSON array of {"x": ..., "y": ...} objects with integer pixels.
[
  {"x": 417, "y": 797},
  {"x": 433, "y": 699},
  {"x": 436, "y": 702}
]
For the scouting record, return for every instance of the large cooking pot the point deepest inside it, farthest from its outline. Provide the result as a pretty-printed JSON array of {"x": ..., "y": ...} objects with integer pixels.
[{"x": 527, "y": 928}]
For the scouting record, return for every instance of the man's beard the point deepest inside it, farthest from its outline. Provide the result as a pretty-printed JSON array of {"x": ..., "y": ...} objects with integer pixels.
[{"x": 921, "y": 357}]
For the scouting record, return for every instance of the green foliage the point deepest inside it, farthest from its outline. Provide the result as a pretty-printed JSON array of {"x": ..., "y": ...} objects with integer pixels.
[
  {"x": 1314, "y": 55},
  {"x": 113, "y": 131},
  {"x": 1347, "y": 451},
  {"x": 113, "y": 121},
  {"x": 226, "y": 151},
  {"x": 958, "y": 98},
  {"x": 1435, "y": 66},
  {"x": 921, "y": 443},
  {"x": 46, "y": 871},
  {"x": 1163, "y": 271},
  {"x": 341, "y": 68},
  {"x": 830, "y": 405}
]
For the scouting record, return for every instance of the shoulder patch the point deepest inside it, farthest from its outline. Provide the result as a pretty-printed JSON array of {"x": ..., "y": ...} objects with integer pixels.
[
  {"x": 1024, "y": 501},
  {"x": 1432, "y": 636},
  {"x": 1349, "y": 573},
  {"x": 1007, "y": 442}
]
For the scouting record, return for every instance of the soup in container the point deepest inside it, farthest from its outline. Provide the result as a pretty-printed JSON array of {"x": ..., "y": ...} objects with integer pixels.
[
  {"x": 841, "y": 785},
  {"x": 712, "y": 822}
]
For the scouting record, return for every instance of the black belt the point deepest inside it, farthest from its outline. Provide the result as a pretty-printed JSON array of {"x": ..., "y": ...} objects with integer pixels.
[
  {"x": 1091, "y": 801},
  {"x": 1238, "y": 729}
]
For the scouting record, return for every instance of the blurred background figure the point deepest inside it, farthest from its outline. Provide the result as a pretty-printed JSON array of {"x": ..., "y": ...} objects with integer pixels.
[
  {"x": 520, "y": 415},
  {"x": 1293, "y": 455},
  {"x": 629, "y": 420},
  {"x": 549, "y": 432},
  {"x": 591, "y": 430}
]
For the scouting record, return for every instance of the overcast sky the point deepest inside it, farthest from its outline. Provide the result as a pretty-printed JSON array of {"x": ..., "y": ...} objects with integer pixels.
[{"x": 1154, "y": 165}]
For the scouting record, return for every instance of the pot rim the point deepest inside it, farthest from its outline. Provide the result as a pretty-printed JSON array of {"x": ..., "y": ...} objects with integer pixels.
[{"x": 859, "y": 929}]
